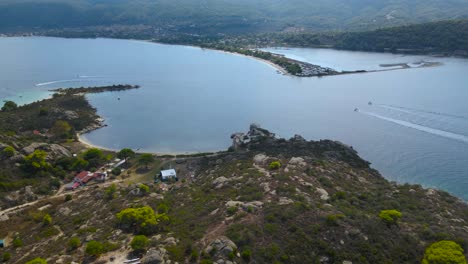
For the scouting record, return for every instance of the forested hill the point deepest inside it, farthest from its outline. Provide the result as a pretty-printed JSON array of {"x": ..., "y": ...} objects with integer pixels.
[
  {"x": 448, "y": 36},
  {"x": 227, "y": 16}
]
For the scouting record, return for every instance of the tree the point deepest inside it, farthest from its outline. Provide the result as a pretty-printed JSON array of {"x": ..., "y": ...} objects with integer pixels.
[
  {"x": 8, "y": 152},
  {"x": 144, "y": 188},
  {"x": 94, "y": 156},
  {"x": 61, "y": 129},
  {"x": 94, "y": 248},
  {"x": 139, "y": 243},
  {"x": 390, "y": 217},
  {"x": 36, "y": 161},
  {"x": 126, "y": 153},
  {"x": 444, "y": 252},
  {"x": 145, "y": 159},
  {"x": 74, "y": 243},
  {"x": 9, "y": 106},
  {"x": 37, "y": 261},
  {"x": 140, "y": 220}
]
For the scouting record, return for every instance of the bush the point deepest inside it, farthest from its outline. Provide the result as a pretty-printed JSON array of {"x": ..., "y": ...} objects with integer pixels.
[
  {"x": 246, "y": 254},
  {"x": 68, "y": 197},
  {"x": 139, "y": 243},
  {"x": 110, "y": 192},
  {"x": 231, "y": 210},
  {"x": 94, "y": 248},
  {"x": 17, "y": 242},
  {"x": 141, "y": 220},
  {"x": 144, "y": 188},
  {"x": 116, "y": 171},
  {"x": 47, "y": 219},
  {"x": 74, "y": 243},
  {"x": 275, "y": 165},
  {"x": 444, "y": 252},
  {"x": 8, "y": 152},
  {"x": 37, "y": 261},
  {"x": 6, "y": 256},
  {"x": 390, "y": 217}
]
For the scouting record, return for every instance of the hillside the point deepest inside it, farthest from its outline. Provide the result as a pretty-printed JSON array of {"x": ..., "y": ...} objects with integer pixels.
[
  {"x": 266, "y": 200},
  {"x": 225, "y": 16}
]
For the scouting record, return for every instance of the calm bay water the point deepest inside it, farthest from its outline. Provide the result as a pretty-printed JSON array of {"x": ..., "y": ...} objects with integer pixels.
[{"x": 416, "y": 129}]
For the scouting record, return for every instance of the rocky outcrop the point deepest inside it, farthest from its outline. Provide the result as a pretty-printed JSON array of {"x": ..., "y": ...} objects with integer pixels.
[
  {"x": 54, "y": 151},
  {"x": 255, "y": 133},
  {"x": 220, "y": 248},
  {"x": 155, "y": 256}
]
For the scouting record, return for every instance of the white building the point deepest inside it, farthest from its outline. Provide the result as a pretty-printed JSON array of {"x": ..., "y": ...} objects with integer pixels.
[{"x": 168, "y": 174}]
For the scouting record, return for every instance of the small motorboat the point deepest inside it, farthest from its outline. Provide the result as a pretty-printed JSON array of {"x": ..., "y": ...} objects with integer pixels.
[
  {"x": 356, "y": 109},
  {"x": 369, "y": 103}
]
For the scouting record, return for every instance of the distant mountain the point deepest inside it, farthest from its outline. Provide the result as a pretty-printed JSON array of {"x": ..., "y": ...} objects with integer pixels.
[{"x": 228, "y": 16}]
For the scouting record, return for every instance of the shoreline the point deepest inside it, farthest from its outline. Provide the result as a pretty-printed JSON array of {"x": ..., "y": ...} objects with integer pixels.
[{"x": 88, "y": 144}]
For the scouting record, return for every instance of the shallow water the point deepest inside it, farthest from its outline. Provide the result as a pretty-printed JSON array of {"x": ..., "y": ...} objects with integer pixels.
[{"x": 193, "y": 100}]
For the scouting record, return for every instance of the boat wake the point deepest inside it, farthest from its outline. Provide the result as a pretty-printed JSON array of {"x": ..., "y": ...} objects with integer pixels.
[
  {"x": 433, "y": 131},
  {"x": 54, "y": 82},
  {"x": 409, "y": 110}
]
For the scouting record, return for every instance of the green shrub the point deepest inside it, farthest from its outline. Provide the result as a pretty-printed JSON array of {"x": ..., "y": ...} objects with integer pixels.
[
  {"x": 47, "y": 219},
  {"x": 142, "y": 219},
  {"x": 139, "y": 243},
  {"x": 231, "y": 210},
  {"x": 144, "y": 188},
  {"x": 116, "y": 171},
  {"x": 17, "y": 242},
  {"x": 444, "y": 251},
  {"x": 246, "y": 254},
  {"x": 8, "y": 152},
  {"x": 275, "y": 165},
  {"x": 111, "y": 192},
  {"x": 68, "y": 197},
  {"x": 94, "y": 248},
  {"x": 332, "y": 220},
  {"x": 163, "y": 208},
  {"x": 74, "y": 243},
  {"x": 37, "y": 261},
  {"x": 6, "y": 256},
  {"x": 390, "y": 217}
]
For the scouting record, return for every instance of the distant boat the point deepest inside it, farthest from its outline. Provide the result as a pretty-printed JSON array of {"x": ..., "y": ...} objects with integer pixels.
[
  {"x": 356, "y": 109},
  {"x": 369, "y": 103}
]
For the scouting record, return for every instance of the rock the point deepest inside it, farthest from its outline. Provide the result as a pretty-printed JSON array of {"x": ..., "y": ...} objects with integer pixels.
[
  {"x": 54, "y": 151},
  {"x": 266, "y": 186},
  {"x": 431, "y": 192},
  {"x": 220, "y": 181},
  {"x": 260, "y": 159},
  {"x": 297, "y": 161},
  {"x": 284, "y": 201},
  {"x": 234, "y": 204},
  {"x": 323, "y": 194},
  {"x": 154, "y": 256},
  {"x": 4, "y": 217},
  {"x": 347, "y": 262},
  {"x": 298, "y": 138},
  {"x": 2, "y": 146},
  {"x": 222, "y": 247},
  {"x": 65, "y": 211},
  {"x": 215, "y": 211},
  {"x": 255, "y": 205},
  {"x": 69, "y": 115},
  {"x": 170, "y": 241},
  {"x": 255, "y": 133},
  {"x": 31, "y": 148}
]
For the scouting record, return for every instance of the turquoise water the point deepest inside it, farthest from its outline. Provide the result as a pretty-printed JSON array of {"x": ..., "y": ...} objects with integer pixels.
[{"x": 191, "y": 100}]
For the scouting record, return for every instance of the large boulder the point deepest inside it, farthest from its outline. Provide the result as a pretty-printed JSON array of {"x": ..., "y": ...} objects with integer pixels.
[
  {"x": 155, "y": 256},
  {"x": 221, "y": 247},
  {"x": 54, "y": 151}
]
